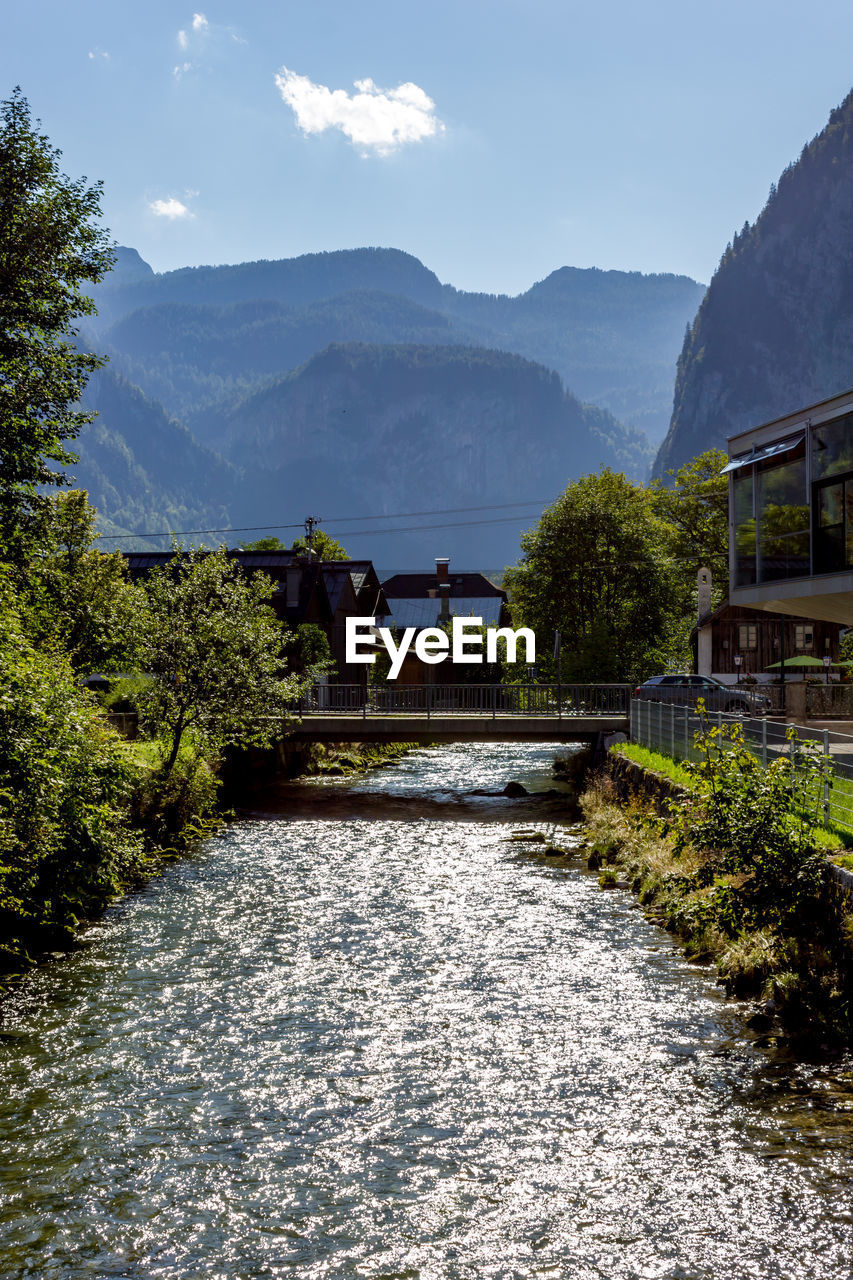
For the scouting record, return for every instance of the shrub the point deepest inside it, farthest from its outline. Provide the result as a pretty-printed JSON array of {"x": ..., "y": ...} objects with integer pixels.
[{"x": 66, "y": 844}]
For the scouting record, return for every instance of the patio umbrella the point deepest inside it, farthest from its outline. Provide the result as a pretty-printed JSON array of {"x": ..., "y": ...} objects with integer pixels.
[{"x": 802, "y": 661}]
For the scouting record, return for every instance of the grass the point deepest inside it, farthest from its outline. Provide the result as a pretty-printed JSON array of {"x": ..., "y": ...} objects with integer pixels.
[
  {"x": 837, "y": 834},
  {"x": 656, "y": 762},
  {"x": 801, "y": 969},
  {"x": 149, "y": 754}
]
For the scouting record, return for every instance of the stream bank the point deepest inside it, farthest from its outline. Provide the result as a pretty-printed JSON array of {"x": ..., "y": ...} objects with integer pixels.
[
  {"x": 366, "y": 1033},
  {"x": 794, "y": 957}
]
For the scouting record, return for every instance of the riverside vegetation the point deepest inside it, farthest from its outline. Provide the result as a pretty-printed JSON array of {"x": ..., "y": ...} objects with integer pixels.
[
  {"x": 736, "y": 864},
  {"x": 83, "y": 815}
]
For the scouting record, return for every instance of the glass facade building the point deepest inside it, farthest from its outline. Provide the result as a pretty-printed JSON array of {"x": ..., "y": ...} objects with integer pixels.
[{"x": 791, "y": 513}]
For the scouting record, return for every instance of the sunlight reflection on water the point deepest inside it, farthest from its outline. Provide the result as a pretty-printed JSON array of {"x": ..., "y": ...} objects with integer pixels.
[{"x": 358, "y": 1047}]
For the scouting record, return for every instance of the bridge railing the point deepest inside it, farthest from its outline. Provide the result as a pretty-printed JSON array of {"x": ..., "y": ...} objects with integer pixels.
[{"x": 467, "y": 699}]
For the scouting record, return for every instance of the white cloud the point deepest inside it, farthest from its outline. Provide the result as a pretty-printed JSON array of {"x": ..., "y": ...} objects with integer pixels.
[
  {"x": 170, "y": 209},
  {"x": 204, "y": 41},
  {"x": 97, "y": 53},
  {"x": 374, "y": 119}
]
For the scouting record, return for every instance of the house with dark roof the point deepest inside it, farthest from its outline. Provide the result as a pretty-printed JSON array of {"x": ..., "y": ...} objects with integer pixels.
[
  {"x": 424, "y": 600},
  {"x": 734, "y": 641},
  {"x": 323, "y": 592}
]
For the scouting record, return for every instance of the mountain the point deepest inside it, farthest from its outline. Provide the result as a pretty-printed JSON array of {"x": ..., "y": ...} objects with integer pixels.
[
  {"x": 189, "y": 356},
  {"x": 143, "y": 471},
  {"x": 362, "y": 430},
  {"x": 612, "y": 336},
  {"x": 293, "y": 281},
  {"x": 775, "y": 330},
  {"x": 356, "y": 383}
]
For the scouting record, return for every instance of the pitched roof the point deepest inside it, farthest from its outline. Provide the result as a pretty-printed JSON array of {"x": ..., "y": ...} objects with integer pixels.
[
  {"x": 414, "y": 586},
  {"x": 420, "y": 611}
]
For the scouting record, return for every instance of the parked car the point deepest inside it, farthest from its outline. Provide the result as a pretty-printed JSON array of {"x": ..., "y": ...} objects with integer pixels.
[{"x": 686, "y": 690}]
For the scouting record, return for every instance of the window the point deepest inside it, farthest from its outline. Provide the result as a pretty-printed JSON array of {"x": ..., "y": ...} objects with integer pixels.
[
  {"x": 832, "y": 470},
  {"x": 744, "y": 520},
  {"x": 803, "y": 636},
  {"x": 747, "y": 636},
  {"x": 783, "y": 517}
]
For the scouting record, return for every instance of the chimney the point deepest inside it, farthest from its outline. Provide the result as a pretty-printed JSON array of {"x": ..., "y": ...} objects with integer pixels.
[
  {"x": 444, "y": 596},
  {"x": 442, "y": 569},
  {"x": 704, "y": 638},
  {"x": 703, "y": 584}
]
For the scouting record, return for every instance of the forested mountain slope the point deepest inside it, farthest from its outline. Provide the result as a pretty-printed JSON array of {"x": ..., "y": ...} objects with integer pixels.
[
  {"x": 775, "y": 330},
  {"x": 612, "y": 336},
  {"x": 143, "y": 470},
  {"x": 364, "y": 429}
]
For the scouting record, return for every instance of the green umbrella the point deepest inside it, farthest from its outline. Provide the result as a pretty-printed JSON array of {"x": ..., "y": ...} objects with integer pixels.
[{"x": 802, "y": 661}]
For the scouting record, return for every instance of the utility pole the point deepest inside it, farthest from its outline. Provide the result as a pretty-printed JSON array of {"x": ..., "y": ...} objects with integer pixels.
[
  {"x": 310, "y": 522},
  {"x": 558, "y": 654}
]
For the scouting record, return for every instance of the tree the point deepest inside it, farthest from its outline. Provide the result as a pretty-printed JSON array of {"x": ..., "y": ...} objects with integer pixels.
[
  {"x": 264, "y": 544},
  {"x": 66, "y": 781},
  {"x": 212, "y": 650},
  {"x": 324, "y": 546},
  {"x": 597, "y": 568},
  {"x": 50, "y": 245},
  {"x": 78, "y": 596},
  {"x": 694, "y": 509}
]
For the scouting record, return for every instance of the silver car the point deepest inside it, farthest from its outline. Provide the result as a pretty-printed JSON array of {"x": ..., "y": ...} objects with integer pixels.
[{"x": 686, "y": 690}]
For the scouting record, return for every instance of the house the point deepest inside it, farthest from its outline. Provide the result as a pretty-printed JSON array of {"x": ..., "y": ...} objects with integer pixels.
[
  {"x": 432, "y": 599},
  {"x": 791, "y": 513},
  {"x": 323, "y": 592},
  {"x": 759, "y": 639}
]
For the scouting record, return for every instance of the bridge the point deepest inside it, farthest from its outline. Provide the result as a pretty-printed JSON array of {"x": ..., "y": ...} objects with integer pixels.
[{"x": 431, "y": 714}]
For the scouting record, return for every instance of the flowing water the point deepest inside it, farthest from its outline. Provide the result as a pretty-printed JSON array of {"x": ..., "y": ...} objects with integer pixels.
[{"x": 363, "y": 1034}]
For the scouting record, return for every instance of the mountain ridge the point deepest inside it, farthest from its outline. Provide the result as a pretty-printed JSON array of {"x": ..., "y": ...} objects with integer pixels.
[{"x": 774, "y": 332}]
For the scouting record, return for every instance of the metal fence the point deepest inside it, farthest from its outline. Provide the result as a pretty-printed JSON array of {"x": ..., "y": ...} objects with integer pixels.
[
  {"x": 557, "y": 700},
  {"x": 826, "y": 701},
  {"x": 672, "y": 731},
  {"x": 754, "y": 699}
]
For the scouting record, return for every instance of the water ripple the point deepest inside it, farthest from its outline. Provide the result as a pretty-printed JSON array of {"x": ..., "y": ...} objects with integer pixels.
[{"x": 360, "y": 1047}]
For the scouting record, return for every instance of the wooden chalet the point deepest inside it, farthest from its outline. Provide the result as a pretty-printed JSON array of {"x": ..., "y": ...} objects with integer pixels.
[
  {"x": 760, "y": 638},
  {"x": 323, "y": 592}
]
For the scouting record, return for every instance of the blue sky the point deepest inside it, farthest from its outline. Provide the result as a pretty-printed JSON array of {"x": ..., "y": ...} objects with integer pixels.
[{"x": 496, "y": 141}]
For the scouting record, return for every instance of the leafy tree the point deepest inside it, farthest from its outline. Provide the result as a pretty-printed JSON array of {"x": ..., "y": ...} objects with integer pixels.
[
  {"x": 694, "y": 509},
  {"x": 264, "y": 544},
  {"x": 309, "y": 653},
  {"x": 66, "y": 844},
  {"x": 213, "y": 651},
  {"x": 597, "y": 567},
  {"x": 50, "y": 245},
  {"x": 325, "y": 547},
  {"x": 78, "y": 596}
]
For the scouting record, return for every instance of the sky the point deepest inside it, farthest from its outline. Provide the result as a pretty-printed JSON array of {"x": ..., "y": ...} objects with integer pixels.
[{"x": 495, "y": 141}]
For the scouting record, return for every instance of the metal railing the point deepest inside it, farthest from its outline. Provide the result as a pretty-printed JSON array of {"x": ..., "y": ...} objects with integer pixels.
[
  {"x": 757, "y": 699},
  {"x": 829, "y": 700},
  {"x": 671, "y": 730},
  {"x": 555, "y": 700}
]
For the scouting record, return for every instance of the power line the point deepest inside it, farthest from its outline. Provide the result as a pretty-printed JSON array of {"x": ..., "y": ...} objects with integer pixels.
[
  {"x": 413, "y": 528},
  {"x": 399, "y": 515}
]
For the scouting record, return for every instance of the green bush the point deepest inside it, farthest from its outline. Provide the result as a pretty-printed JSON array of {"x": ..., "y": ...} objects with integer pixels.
[
  {"x": 177, "y": 808},
  {"x": 66, "y": 844},
  {"x": 758, "y": 824}
]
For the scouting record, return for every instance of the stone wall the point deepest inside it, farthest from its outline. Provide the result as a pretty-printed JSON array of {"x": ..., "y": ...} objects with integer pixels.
[{"x": 631, "y": 779}]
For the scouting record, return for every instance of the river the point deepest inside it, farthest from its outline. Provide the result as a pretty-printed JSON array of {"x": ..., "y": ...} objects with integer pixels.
[{"x": 364, "y": 1034}]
